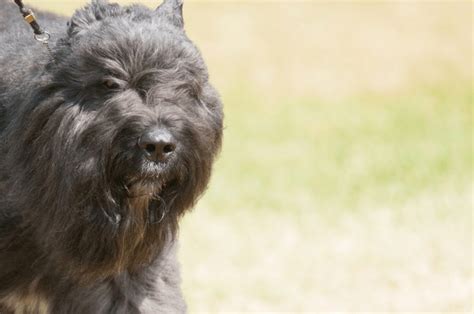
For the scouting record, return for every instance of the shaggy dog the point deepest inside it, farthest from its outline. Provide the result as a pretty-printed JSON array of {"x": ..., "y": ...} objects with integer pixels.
[{"x": 105, "y": 142}]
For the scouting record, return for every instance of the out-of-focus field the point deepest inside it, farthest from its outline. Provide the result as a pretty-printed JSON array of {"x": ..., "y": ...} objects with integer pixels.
[{"x": 345, "y": 180}]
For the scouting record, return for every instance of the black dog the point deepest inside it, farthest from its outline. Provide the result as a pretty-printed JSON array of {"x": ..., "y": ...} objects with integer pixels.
[{"x": 104, "y": 143}]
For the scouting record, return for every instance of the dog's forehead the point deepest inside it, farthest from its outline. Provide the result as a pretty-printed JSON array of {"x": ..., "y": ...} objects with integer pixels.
[
  {"x": 135, "y": 36},
  {"x": 134, "y": 47}
]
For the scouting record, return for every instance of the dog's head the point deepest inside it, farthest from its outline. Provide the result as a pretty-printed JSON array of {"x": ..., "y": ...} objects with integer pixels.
[{"x": 120, "y": 138}]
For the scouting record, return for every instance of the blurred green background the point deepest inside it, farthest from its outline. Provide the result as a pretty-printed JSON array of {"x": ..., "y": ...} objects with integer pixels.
[{"x": 346, "y": 179}]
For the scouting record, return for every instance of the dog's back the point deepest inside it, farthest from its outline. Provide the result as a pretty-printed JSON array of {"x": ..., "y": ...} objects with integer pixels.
[
  {"x": 9, "y": 30},
  {"x": 20, "y": 53}
]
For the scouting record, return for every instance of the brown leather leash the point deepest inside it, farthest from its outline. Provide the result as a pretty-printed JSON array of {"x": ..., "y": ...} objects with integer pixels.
[{"x": 40, "y": 35}]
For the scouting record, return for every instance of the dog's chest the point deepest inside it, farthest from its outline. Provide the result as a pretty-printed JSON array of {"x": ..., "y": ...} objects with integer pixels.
[{"x": 30, "y": 302}]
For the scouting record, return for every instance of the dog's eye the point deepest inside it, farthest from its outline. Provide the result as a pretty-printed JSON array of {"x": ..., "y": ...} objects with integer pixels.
[{"x": 111, "y": 84}]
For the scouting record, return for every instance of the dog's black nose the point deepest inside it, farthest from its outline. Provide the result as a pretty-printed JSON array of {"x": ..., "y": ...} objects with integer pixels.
[{"x": 157, "y": 144}]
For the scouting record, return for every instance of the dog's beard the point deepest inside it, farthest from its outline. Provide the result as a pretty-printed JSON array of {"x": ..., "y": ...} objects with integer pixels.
[
  {"x": 141, "y": 187},
  {"x": 153, "y": 197},
  {"x": 126, "y": 216},
  {"x": 131, "y": 235}
]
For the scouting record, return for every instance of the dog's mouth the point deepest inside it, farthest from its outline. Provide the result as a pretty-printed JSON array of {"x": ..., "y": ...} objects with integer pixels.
[
  {"x": 152, "y": 196},
  {"x": 150, "y": 179}
]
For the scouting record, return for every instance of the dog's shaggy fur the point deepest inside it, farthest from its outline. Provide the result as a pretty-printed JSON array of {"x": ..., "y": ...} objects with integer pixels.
[{"x": 87, "y": 221}]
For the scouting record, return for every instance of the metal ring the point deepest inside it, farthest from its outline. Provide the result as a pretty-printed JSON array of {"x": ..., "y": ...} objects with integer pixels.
[
  {"x": 162, "y": 217},
  {"x": 154, "y": 222},
  {"x": 43, "y": 38}
]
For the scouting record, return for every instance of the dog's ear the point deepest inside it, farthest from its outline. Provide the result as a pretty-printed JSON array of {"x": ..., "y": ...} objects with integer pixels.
[
  {"x": 96, "y": 11},
  {"x": 172, "y": 10}
]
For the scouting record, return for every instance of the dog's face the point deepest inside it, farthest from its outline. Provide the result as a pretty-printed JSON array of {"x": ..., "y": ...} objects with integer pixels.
[
  {"x": 123, "y": 136},
  {"x": 141, "y": 102}
]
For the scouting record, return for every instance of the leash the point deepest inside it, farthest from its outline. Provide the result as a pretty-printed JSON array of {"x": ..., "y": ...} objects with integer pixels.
[{"x": 39, "y": 34}]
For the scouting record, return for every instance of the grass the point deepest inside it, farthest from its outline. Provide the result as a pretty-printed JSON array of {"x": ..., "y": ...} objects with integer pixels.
[
  {"x": 345, "y": 181},
  {"x": 359, "y": 205}
]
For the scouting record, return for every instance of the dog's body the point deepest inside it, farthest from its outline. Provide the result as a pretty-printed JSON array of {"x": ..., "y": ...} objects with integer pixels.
[{"x": 103, "y": 146}]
